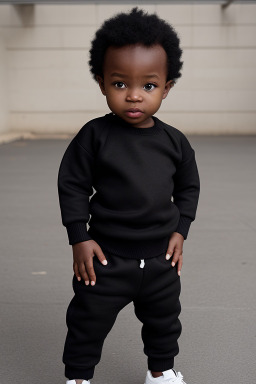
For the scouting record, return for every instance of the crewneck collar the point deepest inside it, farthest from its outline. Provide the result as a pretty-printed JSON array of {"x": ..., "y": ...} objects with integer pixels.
[{"x": 140, "y": 131}]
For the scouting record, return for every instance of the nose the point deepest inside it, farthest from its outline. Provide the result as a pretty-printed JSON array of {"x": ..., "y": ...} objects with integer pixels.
[{"x": 133, "y": 95}]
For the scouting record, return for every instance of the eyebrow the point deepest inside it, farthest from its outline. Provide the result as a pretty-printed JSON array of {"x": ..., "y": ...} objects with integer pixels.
[{"x": 115, "y": 74}]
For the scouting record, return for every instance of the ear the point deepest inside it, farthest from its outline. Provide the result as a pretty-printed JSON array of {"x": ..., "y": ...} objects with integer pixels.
[
  {"x": 101, "y": 84},
  {"x": 167, "y": 88}
]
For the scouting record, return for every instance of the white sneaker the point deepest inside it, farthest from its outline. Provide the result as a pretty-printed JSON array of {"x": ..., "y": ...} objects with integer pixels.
[
  {"x": 74, "y": 382},
  {"x": 168, "y": 377}
]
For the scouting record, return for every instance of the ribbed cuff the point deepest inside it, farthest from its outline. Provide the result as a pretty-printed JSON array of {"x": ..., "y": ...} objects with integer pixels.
[
  {"x": 72, "y": 372},
  {"x": 160, "y": 365},
  {"x": 183, "y": 226},
  {"x": 77, "y": 232}
]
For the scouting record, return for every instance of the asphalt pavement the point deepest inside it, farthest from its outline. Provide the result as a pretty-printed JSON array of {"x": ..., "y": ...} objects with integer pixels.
[{"x": 218, "y": 341}]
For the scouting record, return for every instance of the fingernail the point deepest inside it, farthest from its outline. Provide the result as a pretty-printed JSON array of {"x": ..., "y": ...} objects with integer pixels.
[
  {"x": 93, "y": 283},
  {"x": 179, "y": 273},
  {"x": 173, "y": 264},
  {"x": 168, "y": 256},
  {"x": 104, "y": 262},
  {"x": 87, "y": 282},
  {"x": 79, "y": 278}
]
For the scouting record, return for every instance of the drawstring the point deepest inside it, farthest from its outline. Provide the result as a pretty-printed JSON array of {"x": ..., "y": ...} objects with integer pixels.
[{"x": 142, "y": 263}]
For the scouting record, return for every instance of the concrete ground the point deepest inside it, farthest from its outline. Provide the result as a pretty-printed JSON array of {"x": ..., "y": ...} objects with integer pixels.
[{"x": 217, "y": 344}]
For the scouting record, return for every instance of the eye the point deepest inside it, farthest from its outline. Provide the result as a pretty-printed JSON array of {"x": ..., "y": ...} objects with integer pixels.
[
  {"x": 149, "y": 87},
  {"x": 119, "y": 84}
]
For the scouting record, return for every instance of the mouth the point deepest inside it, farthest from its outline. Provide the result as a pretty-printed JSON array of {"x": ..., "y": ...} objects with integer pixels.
[{"x": 133, "y": 112}]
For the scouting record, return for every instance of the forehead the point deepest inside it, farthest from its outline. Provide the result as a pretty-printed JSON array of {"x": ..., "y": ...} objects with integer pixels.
[{"x": 136, "y": 59}]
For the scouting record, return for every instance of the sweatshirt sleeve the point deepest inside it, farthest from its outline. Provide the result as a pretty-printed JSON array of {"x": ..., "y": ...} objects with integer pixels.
[
  {"x": 186, "y": 188},
  {"x": 75, "y": 180}
]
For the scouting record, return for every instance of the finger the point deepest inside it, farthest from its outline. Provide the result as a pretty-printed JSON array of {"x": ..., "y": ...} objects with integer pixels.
[
  {"x": 176, "y": 256},
  {"x": 83, "y": 273},
  {"x": 90, "y": 270},
  {"x": 169, "y": 252},
  {"x": 98, "y": 252},
  {"x": 179, "y": 265},
  {"x": 76, "y": 271}
]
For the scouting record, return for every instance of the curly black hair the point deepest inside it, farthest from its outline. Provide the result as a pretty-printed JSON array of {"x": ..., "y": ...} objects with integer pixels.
[{"x": 136, "y": 27}]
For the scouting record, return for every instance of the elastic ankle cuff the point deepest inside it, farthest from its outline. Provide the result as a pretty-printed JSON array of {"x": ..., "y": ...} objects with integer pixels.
[
  {"x": 79, "y": 373},
  {"x": 160, "y": 365}
]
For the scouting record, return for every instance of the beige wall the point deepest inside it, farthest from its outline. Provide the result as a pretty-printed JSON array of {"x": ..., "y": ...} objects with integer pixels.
[
  {"x": 3, "y": 84},
  {"x": 46, "y": 85}
]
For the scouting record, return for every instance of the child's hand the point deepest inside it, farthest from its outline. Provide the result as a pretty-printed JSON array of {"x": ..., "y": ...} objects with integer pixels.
[
  {"x": 175, "y": 247},
  {"x": 83, "y": 254}
]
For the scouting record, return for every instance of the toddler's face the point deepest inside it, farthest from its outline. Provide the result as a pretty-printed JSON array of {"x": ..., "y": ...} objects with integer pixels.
[{"x": 134, "y": 82}]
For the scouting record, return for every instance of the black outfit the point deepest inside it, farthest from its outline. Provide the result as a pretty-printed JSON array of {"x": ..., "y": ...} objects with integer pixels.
[{"x": 135, "y": 172}]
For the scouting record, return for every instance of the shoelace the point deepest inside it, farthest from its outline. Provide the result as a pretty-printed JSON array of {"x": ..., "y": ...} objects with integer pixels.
[{"x": 177, "y": 380}]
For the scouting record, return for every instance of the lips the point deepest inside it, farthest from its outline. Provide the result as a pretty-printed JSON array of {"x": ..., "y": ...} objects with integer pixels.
[{"x": 133, "y": 112}]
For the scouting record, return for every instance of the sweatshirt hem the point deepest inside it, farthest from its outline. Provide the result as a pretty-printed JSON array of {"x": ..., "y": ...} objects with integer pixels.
[{"x": 129, "y": 248}]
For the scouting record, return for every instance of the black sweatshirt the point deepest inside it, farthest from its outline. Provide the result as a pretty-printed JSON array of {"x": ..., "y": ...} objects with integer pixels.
[{"x": 146, "y": 185}]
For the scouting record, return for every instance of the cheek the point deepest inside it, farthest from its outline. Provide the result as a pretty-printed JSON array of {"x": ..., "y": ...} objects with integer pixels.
[
  {"x": 114, "y": 101},
  {"x": 114, "y": 97},
  {"x": 157, "y": 98}
]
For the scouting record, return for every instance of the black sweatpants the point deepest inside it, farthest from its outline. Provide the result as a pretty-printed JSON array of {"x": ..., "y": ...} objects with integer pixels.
[{"x": 154, "y": 287}]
